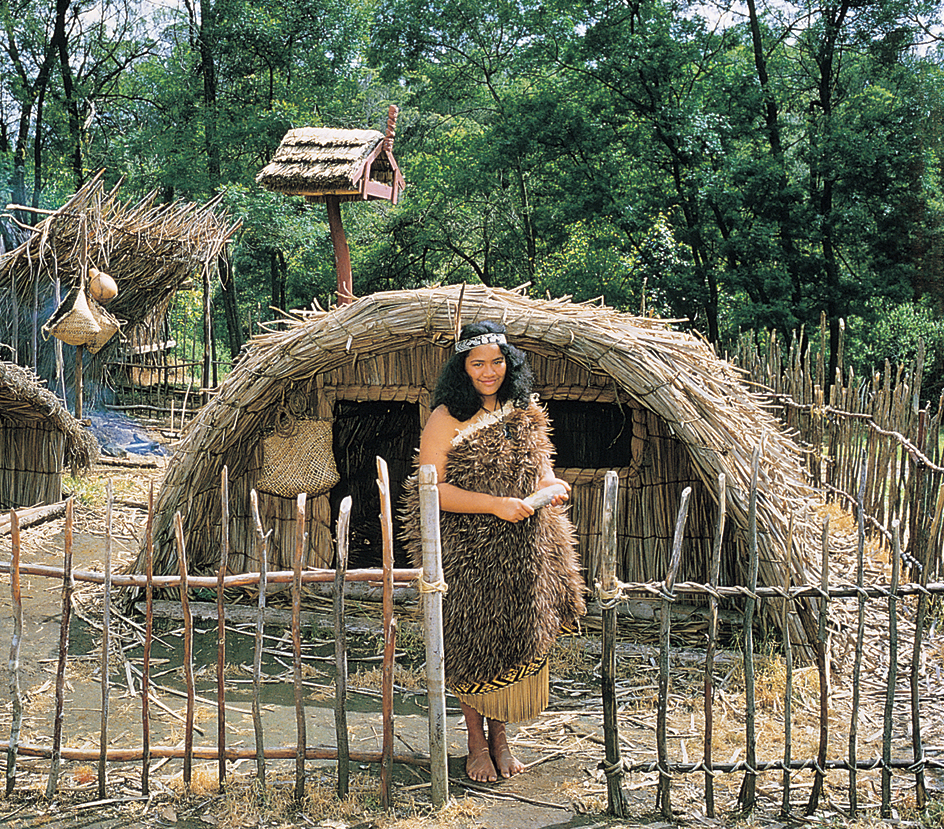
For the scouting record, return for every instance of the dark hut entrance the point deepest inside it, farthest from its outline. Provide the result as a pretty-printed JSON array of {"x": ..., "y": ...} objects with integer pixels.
[{"x": 362, "y": 433}]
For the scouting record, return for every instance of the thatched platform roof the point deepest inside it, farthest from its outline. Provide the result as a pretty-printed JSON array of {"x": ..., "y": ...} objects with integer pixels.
[
  {"x": 149, "y": 249},
  {"x": 316, "y": 161},
  {"x": 690, "y": 418}
]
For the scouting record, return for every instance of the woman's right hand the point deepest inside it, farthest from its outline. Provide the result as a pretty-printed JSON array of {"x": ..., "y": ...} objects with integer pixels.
[{"x": 512, "y": 509}]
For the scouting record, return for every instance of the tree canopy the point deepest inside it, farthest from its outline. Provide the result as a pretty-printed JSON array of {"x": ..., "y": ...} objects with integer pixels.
[{"x": 738, "y": 171}]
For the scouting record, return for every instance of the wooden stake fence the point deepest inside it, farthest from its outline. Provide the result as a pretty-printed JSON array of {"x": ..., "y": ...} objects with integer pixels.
[{"x": 185, "y": 582}]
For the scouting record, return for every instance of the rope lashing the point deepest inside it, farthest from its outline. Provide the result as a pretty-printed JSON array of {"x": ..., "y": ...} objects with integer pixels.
[{"x": 432, "y": 587}]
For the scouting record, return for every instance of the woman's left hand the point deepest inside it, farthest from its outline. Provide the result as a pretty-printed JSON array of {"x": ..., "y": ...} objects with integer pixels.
[{"x": 557, "y": 500}]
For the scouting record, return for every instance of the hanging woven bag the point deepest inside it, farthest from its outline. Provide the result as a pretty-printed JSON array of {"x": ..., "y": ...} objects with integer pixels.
[{"x": 298, "y": 456}]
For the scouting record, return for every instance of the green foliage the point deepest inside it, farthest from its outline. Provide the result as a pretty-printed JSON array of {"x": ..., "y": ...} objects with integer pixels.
[
  {"x": 891, "y": 332},
  {"x": 738, "y": 176}
]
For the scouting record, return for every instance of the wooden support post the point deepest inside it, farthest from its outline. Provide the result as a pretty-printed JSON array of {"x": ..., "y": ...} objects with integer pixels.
[
  {"x": 15, "y": 651},
  {"x": 822, "y": 666},
  {"x": 65, "y": 619},
  {"x": 390, "y": 631},
  {"x": 221, "y": 632},
  {"x": 188, "y": 648},
  {"x": 340, "y": 650},
  {"x": 609, "y": 599},
  {"x": 747, "y": 795},
  {"x": 342, "y": 256},
  {"x": 663, "y": 794},
  {"x": 106, "y": 646},
  {"x": 300, "y": 730},
  {"x": 262, "y": 543},
  {"x": 79, "y": 351},
  {"x": 713, "y": 577},
  {"x": 886, "y": 809},
  {"x": 432, "y": 590},
  {"x": 148, "y": 636}
]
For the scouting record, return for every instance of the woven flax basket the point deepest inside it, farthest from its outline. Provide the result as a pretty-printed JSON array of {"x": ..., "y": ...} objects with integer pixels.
[
  {"x": 297, "y": 456},
  {"x": 73, "y": 321}
]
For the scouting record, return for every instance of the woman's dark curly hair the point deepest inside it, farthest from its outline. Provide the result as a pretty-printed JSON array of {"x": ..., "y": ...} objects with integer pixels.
[{"x": 455, "y": 391}]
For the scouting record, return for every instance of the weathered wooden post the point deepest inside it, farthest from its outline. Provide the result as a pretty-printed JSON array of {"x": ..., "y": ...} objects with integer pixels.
[
  {"x": 300, "y": 730},
  {"x": 432, "y": 587},
  {"x": 822, "y": 666},
  {"x": 15, "y": 651},
  {"x": 188, "y": 647},
  {"x": 221, "y": 632},
  {"x": 262, "y": 545},
  {"x": 608, "y": 588},
  {"x": 712, "y": 645},
  {"x": 886, "y": 809},
  {"x": 389, "y": 632},
  {"x": 747, "y": 794},
  {"x": 340, "y": 651},
  {"x": 65, "y": 619},
  {"x": 106, "y": 648},
  {"x": 665, "y": 646}
]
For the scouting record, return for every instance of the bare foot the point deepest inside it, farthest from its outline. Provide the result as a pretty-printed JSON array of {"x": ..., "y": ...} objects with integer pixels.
[
  {"x": 505, "y": 762},
  {"x": 479, "y": 767}
]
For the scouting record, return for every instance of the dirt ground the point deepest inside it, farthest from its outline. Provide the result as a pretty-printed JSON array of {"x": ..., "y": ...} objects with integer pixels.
[{"x": 563, "y": 786}]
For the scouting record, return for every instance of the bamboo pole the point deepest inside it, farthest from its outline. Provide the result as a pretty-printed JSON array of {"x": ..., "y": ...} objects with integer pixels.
[
  {"x": 785, "y": 810},
  {"x": 17, "y": 702},
  {"x": 188, "y": 648},
  {"x": 432, "y": 589},
  {"x": 148, "y": 637},
  {"x": 748, "y": 794},
  {"x": 608, "y": 589},
  {"x": 340, "y": 651},
  {"x": 66, "y": 615},
  {"x": 713, "y": 577},
  {"x": 390, "y": 631},
  {"x": 860, "y": 640},
  {"x": 221, "y": 631},
  {"x": 106, "y": 644},
  {"x": 262, "y": 541},
  {"x": 822, "y": 665},
  {"x": 886, "y": 809},
  {"x": 663, "y": 795},
  {"x": 301, "y": 733}
]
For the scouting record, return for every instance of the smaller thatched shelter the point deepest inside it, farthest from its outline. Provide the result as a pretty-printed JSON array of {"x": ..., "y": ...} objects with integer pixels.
[
  {"x": 351, "y": 165},
  {"x": 38, "y": 438},
  {"x": 625, "y": 393},
  {"x": 150, "y": 249}
]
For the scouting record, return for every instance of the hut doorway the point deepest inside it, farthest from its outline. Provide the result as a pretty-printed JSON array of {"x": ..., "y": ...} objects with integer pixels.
[{"x": 362, "y": 432}]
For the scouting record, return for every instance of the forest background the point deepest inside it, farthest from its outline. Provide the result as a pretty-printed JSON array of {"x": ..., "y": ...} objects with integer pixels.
[{"x": 746, "y": 168}]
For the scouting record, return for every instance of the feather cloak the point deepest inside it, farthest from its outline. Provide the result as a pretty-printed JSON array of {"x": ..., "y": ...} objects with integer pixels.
[{"x": 512, "y": 587}]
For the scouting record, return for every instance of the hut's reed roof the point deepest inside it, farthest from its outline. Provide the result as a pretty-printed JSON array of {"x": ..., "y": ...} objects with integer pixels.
[
  {"x": 671, "y": 373},
  {"x": 312, "y": 160},
  {"x": 149, "y": 249},
  {"x": 23, "y": 398}
]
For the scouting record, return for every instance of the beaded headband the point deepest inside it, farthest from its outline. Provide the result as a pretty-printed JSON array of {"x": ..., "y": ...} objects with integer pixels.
[{"x": 481, "y": 339}]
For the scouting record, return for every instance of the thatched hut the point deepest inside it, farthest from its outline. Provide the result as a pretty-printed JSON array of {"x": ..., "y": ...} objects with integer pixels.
[
  {"x": 38, "y": 438},
  {"x": 150, "y": 250},
  {"x": 623, "y": 392}
]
